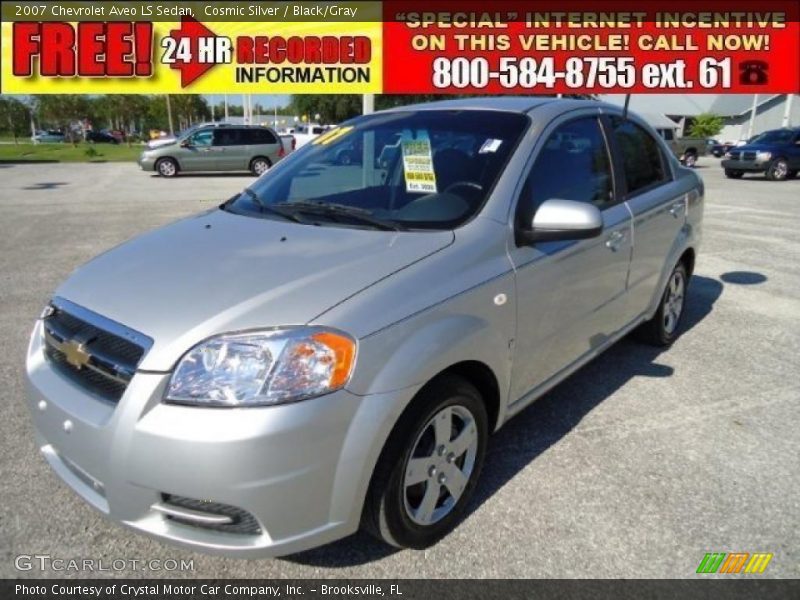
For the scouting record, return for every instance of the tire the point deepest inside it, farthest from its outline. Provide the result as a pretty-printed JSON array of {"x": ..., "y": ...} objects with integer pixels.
[
  {"x": 260, "y": 165},
  {"x": 663, "y": 328},
  {"x": 167, "y": 167},
  {"x": 690, "y": 160},
  {"x": 733, "y": 174},
  {"x": 778, "y": 170},
  {"x": 791, "y": 175},
  {"x": 419, "y": 514}
]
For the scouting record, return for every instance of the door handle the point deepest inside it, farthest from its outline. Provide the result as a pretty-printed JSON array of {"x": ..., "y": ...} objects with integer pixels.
[
  {"x": 676, "y": 210},
  {"x": 614, "y": 240}
]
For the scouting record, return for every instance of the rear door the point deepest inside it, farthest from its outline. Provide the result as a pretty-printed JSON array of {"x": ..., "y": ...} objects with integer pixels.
[
  {"x": 571, "y": 296},
  {"x": 656, "y": 202},
  {"x": 230, "y": 146}
]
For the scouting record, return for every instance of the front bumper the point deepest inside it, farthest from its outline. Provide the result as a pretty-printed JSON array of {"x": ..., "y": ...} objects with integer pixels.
[
  {"x": 301, "y": 470},
  {"x": 744, "y": 165}
]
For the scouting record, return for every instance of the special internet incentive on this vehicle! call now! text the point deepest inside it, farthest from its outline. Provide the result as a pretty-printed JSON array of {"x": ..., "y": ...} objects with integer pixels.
[{"x": 510, "y": 47}]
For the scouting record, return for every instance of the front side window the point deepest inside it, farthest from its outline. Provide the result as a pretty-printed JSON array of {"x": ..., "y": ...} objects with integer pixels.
[
  {"x": 202, "y": 138},
  {"x": 642, "y": 161},
  {"x": 572, "y": 165},
  {"x": 779, "y": 136},
  {"x": 415, "y": 170}
]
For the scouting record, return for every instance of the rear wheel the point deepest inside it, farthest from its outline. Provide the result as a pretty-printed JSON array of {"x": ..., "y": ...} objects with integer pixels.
[
  {"x": 429, "y": 467},
  {"x": 167, "y": 167},
  {"x": 733, "y": 174},
  {"x": 690, "y": 159},
  {"x": 778, "y": 170},
  {"x": 259, "y": 165},
  {"x": 662, "y": 329}
]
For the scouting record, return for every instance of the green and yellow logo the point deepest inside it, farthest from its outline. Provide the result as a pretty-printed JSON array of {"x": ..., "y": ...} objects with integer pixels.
[{"x": 735, "y": 562}]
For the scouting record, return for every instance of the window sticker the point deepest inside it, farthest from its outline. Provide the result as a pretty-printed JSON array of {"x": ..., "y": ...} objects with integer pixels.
[
  {"x": 418, "y": 164},
  {"x": 490, "y": 146}
]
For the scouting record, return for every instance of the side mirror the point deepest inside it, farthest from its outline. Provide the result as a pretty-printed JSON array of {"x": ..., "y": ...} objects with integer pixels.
[
  {"x": 563, "y": 220},
  {"x": 185, "y": 144}
]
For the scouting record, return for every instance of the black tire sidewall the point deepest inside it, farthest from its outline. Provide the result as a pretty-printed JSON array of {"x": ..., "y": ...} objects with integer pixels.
[{"x": 395, "y": 526}]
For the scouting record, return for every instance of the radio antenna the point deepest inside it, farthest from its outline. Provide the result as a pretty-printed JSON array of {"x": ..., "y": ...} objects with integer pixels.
[{"x": 625, "y": 108}]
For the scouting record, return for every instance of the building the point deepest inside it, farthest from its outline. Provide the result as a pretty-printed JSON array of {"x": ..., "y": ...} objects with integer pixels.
[{"x": 773, "y": 111}]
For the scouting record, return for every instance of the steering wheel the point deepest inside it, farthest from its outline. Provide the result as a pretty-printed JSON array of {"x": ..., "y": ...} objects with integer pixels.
[{"x": 457, "y": 184}]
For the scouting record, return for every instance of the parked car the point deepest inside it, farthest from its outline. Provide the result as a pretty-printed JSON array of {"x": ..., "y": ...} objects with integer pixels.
[
  {"x": 687, "y": 150},
  {"x": 49, "y": 136},
  {"x": 720, "y": 148},
  {"x": 775, "y": 153},
  {"x": 289, "y": 142},
  {"x": 332, "y": 347},
  {"x": 306, "y": 132},
  {"x": 100, "y": 137},
  {"x": 234, "y": 148}
]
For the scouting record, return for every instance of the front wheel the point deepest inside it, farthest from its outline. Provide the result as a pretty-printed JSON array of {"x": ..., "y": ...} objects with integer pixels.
[
  {"x": 167, "y": 167},
  {"x": 662, "y": 329},
  {"x": 733, "y": 174},
  {"x": 429, "y": 467},
  {"x": 778, "y": 170}
]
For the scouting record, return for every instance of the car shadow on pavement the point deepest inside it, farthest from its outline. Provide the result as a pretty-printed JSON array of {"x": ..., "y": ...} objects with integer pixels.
[
  {"x": 541, "y": 425},
  {"x": 184, "y": 175}
]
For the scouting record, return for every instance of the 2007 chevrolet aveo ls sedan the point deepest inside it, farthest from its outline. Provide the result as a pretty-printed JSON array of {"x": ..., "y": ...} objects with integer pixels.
[{"x": 331, "y": 348}]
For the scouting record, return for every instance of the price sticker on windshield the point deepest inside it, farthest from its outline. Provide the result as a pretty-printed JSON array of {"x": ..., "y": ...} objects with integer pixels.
[{"x": 418, "y": 164}]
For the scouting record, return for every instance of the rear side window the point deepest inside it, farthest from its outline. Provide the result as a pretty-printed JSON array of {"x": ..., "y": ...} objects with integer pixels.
[
  {"x": 228, "y": 137},
  {"x": 642, "y": 160},
  {"x": 260, "y": 136},
  {"x": 573, "y": 165}
]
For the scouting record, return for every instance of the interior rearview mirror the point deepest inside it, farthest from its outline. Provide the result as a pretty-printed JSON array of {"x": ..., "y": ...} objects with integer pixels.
[{"x": 557, "y": 219}]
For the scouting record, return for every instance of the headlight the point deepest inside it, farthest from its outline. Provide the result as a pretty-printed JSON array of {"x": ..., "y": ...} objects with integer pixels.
[
  {"x": 763, "y": 156},
  {"x": 727, "y": 155},
  {"x": 263, "y": 368}
]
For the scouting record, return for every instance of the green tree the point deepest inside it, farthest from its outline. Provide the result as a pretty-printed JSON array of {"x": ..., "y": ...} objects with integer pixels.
[
  {"x": 65, "y": 111},
  {"x": 15, "y": 117},
  {"x": 706, "y": 125}
]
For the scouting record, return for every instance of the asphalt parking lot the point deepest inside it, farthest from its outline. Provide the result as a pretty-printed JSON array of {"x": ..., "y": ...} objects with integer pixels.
[{"x": 635, "y": 467}]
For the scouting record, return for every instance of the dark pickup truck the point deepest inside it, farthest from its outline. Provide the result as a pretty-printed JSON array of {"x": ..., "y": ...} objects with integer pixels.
[{"x": 775, "y": 153}]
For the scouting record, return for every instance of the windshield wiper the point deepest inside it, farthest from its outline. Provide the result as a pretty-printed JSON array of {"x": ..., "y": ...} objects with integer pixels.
[
  {"x": 331, "y": 209},
  {"x": 271, "y": 209}
]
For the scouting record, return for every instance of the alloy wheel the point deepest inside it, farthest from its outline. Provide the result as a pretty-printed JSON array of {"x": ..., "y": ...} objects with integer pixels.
[
  {"x": 440, "y": 465},
  {"x": 673, "y": 302}
]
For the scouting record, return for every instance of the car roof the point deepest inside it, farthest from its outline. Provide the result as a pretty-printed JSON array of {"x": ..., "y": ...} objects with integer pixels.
[{"x": 519, "y": 104}]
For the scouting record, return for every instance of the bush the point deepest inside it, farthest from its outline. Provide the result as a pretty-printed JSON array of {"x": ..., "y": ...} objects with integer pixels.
[
  {"x": 706, "y": 126},
  {"x": 91, "y": 152}
]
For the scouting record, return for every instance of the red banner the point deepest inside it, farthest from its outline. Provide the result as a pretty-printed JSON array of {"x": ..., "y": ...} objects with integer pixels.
[{"x": 519, "y": 47}]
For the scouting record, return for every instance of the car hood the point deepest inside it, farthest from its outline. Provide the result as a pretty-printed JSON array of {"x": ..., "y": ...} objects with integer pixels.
[
  {"x": 755, "y": 148},
  {"x": 219, "y": 272},
  {"x": 161, "y": 142}
]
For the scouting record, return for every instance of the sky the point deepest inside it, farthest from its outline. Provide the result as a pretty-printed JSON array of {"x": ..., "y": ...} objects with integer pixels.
[{"x": 265, "y": 100}]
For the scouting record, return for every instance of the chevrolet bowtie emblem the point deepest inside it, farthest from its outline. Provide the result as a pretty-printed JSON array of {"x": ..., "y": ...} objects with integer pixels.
[{"x": 75, "y": 353}]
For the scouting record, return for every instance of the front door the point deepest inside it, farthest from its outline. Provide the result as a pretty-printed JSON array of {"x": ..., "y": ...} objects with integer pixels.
[
  {"x": 194, "y": 154},
  {"x": 570, "y": 295}
]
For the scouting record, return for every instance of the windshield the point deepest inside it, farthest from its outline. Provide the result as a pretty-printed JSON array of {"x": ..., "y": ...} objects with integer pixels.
[
  {"x": 780, "y": 136},
  {"x": 399, "y": 170}
]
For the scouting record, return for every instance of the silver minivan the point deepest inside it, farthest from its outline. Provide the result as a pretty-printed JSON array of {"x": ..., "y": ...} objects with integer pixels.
[
  {"x": 331, "y": 348},
  {"x": 216, "y": 148}
]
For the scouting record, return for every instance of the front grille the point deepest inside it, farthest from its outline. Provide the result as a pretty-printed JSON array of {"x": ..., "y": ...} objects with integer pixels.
[
  {"x": 242, "y": 522},
  {"x": 748, "y": 155},
  {"x": 98, "y": 354},
  {"x": 734, "y": 155}
]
